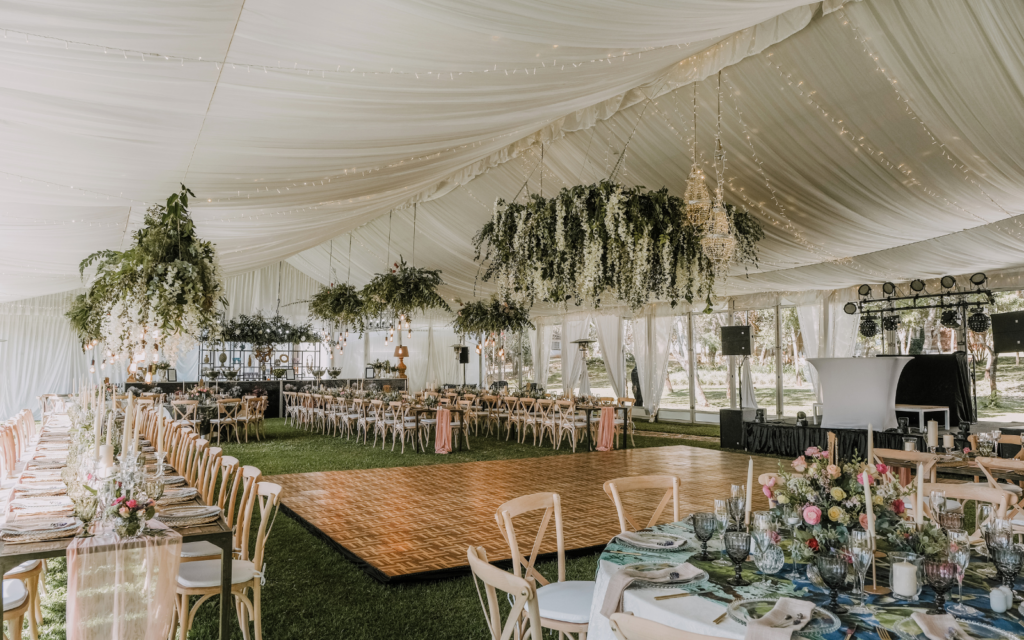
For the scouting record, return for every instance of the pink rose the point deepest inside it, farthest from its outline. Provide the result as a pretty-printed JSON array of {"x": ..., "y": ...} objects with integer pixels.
[
  {"x": 132, "y": 504},
  {"x": 775, "y": 537},
  {"x": 881, "y": 469},
  {"x": 119, "y": 500},
  {"x": 800, "y": 465},
  {"x": 812, "y": 515},
  {"x": 865, "y": 478},
  {"x": 863, "y": 521},
  {"x": 967, "y": 449},
  {"x": 124, "y": 511},
  {"x": 767, "y": 487},
  {"x": 833, "y": 471},
  {"x": 812, "y": 452},
  {"x": 898, "y": 507}
]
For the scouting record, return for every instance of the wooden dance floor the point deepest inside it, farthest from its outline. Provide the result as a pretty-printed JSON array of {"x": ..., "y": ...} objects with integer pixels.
[{"x": 416, "y": 522}]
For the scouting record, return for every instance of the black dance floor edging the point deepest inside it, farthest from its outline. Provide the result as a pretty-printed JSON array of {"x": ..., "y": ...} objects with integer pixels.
[{"x": 424, "y": 576}]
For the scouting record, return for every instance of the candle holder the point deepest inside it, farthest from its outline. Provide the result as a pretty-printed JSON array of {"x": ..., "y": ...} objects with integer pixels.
[
  {"x": 737, "y": 545},
  {"x": 906, "y": 574},
  {"x": 704, "y": 527}
]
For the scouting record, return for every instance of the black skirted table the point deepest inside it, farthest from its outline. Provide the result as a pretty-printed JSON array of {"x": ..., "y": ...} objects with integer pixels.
[{"x": 788, "y": 440}]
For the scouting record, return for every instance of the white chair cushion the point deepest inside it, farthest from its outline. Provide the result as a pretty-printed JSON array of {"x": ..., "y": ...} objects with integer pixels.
[
  {"x": 14, "y": 594},
  {"x": 566, "y": 601},
  {"x": 951, "y": 505},
  {"x": 206, "y": 573},
  {"x": 1011, "y": 488},
  {"x": 199, "y": 549},
  {"x": 28, "y": 565}
]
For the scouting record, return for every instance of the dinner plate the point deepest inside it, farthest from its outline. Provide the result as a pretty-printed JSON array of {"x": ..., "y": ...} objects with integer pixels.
[
  {"x": 33, "y": 526},
  {"x": 908, "y": 630},
  {"x": 187, "y": 512},
  {"x": 822, "y": 621},
  {"x": 645, "y": 567},
  {"x": 653, "y": 541}
]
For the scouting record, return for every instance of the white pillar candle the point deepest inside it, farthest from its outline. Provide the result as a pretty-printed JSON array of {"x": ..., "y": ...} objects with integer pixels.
[
  {"x": 904, "y": 579},
  {"x": 750, "y": 487},
  {"x": 871, "y": 444},
  {"x": 919, "y": 505},
  {"x": 933, "y": 433},
  {"x": 947, "y": 440},
  {"x": 106, "y": 456}
]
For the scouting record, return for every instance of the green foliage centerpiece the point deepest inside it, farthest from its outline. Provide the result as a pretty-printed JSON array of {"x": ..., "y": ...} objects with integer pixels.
[
  {"x": 591, "y": 241},
  {"x": 162, "y": 293}
]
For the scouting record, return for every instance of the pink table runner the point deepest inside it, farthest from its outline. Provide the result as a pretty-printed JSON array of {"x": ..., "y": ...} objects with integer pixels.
[
  {"x": 606, "y": 429},
  {"x": 443, "y": 439},
  {"x": 122, "y": 589}
]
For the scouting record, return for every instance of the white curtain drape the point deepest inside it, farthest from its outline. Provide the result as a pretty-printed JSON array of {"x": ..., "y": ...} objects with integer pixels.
[
  {"x": 610, "y": 337},
  {"x": 651, "y": 336},
  {"x": 575, "y": 326},
  {"x": 444, "y": 365},
  {"x": 747, "y": 390},
  {"x": 827, "y": 332},
  {"x": 542, "y": 353}
]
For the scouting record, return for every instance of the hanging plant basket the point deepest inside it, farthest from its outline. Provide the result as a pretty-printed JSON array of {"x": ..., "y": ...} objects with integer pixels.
[
  {"x": 491, "y": 316},
  {"x": 338, "y": 305},
  {"x": 604, "y": 241},
  {"x": 164, "y": 290},
  {"x": 263, "y": 332},
  {"x": 402, "y": 291}
]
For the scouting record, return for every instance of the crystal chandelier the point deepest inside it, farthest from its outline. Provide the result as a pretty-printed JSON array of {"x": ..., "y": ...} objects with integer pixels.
[
  {"x": 697, "y": 197},
  {"x": 719, "y": 241}
]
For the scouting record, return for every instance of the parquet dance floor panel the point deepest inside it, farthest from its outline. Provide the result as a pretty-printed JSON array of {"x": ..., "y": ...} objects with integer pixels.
[{"x": 416, "y": 522}]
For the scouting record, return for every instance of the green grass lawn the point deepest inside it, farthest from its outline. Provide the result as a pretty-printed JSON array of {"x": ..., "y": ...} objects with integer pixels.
[{"x": 312, "y": 592}]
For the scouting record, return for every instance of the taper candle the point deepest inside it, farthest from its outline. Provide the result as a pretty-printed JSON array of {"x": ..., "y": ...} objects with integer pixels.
[
  {"x": 919, "y": 505},
  {"x": 750, "y": 487}
]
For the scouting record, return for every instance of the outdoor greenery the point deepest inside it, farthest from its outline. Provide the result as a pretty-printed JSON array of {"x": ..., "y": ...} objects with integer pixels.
[
  {"x": 604, "y": 239},
  {"x": 401, "y": 291}
]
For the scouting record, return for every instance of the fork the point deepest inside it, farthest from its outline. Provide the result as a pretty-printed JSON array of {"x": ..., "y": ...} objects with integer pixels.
[{"x": 883, "y": 633}]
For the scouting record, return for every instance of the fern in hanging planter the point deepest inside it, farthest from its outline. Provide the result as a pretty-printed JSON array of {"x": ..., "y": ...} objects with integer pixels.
[
  {"x": 338, "y": 305},
  {"x": 491, "y": 316},
  {"x": 401, "y": 291}
]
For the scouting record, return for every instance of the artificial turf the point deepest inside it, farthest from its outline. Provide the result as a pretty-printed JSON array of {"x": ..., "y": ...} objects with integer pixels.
[{"x": 312, "y": 592}]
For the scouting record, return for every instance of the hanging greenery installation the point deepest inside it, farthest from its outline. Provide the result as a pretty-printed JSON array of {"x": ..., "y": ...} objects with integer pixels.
[
  {"x": 491, "y": 316},
  {"x": 604, "y": 240},
  {"x": 163, "y": 292},
  {"x": 260, "y": 331},
  {"x": 338, "y": 305},
  {"x": 401, "y": 291}
]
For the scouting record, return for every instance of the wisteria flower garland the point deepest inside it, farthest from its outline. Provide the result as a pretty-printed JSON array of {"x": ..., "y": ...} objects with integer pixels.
[{"x": 605, "y": 239}]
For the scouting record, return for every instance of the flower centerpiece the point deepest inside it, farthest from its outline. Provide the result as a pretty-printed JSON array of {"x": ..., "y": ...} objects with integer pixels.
[
  {"x": 158, "y": 296},
  {"x": 590, "y": 241},
  {"x": 130, "y": 514},
  {"x": 830, "y": 499},
  {"x": 202, "y": 394},
  {"x": 431, "y": 401},
  {"x": 380, "y": 366},
  {"x": 926, "y": 541}
]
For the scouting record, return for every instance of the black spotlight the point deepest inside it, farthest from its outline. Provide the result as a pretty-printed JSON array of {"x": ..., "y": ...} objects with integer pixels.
[
  {"x": 850, "y": 308},
  {"x": 864, "y": 290},
  {"x": 979, "y": 279},
  {"x": 978, "y": 322},
  {"x": 950, "y": 319},
  {"x": 917, "y": 286},
  {"x": 888, "y": 288},
  {"x": 868, "y": 327},
  {"x": 947, "y": 282},
  {"x": 891, "y": 323}
]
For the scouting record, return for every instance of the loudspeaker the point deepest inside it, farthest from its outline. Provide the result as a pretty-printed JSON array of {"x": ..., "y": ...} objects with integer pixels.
[
  {"x": 464, "y": 355},
  {"x": 730, "y": 431},
  {"x": 736, "y": 341},
  {"x": 1008, "y": 331}
]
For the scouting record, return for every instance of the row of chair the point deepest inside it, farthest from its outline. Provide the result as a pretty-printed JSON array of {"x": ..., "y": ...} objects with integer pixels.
[{"x": 238, "y": 416}]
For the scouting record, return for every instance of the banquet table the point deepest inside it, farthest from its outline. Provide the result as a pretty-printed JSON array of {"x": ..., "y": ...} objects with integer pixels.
[
  {"x": 711, "y": 597},
  {"x": 217, "y": 533},
  {"x": 591, "y": 435}
]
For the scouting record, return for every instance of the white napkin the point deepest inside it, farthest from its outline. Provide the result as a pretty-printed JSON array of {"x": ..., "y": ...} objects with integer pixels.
[
  {"x": 788, "y": 615},
  {"x": 937, "y": 627},
  {"x": 636, "y": 540},
  {"x": 621, "y": 580}
]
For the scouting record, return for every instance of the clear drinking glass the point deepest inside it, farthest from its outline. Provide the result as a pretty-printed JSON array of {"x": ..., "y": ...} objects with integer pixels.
[
  {"x": 960, "y": 555},
  {"x": 861, "y": 555},
  {"x": 737, "y": 508},
  {"x": 769, "y": 560},
  {"x": 937, "y": 503},
  {"x": 721, "y": 526}
]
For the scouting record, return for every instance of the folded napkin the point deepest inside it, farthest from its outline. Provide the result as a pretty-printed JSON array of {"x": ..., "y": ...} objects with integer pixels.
[
  {"x": 55, "y": 503},
  {"x": 788, "y": 615},
  {"x": 41, "y": 489},
  {"x": 939, "y": 627},
  {"x": 621, "y": 580},
  {"x": 652, "y": 541}
]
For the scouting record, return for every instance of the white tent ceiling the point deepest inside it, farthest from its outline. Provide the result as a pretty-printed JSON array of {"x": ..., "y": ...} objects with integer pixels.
[{"x": 875, "y": 141}]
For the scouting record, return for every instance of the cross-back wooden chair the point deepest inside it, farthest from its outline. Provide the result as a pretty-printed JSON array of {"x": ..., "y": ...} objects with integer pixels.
[
  {"x": 227, "y": 418},
  {"x": 207, "y": 474},
  {"x": 913, "y": 457},
  {"x": 523, "y": 619},
  {"x": 564, "y": 605},
  {"x": 570, "y": 423},
  {"x": 987, "y": 465},
  {"x": 670, "y": 484},
  {"x": 999, "y": 499},
  {"x": 184, "y": 412}
]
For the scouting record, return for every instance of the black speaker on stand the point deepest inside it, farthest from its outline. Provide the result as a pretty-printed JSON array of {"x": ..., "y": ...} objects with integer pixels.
[
  {"x": 464, "y": 360},
  {"x": 736, "y": 341}
]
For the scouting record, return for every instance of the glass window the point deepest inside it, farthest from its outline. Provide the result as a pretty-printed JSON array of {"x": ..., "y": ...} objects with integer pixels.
[
  {"x": 676, "y": 394},
  {"x": 711, "y": 382}
]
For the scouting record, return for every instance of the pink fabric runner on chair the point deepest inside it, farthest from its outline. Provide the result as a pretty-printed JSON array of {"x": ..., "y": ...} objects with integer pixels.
[
  {"x": 606, "y": 429},
  {"x": 443, "y": 440},
  {"x": 122, "y": 589}
]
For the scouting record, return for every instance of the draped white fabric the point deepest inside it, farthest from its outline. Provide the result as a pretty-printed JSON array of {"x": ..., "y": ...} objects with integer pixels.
[
  {"x": 747, "y": 390},
  {"x": 575, "y": 326},
  {"x": 827, "y": 332},
  {"x": 651, "y": 335},
  {"x": 542, "y": 352},
  {"x": 611, "y": 338}
]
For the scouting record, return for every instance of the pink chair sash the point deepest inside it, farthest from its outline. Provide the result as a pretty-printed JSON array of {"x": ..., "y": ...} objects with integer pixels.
[
  {"x": 443, "y": 440},
  {"x": 606, "y": 429}
]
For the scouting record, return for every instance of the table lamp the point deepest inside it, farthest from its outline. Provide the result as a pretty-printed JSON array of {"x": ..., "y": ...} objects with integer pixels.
[{"x": 401, "y": 352}]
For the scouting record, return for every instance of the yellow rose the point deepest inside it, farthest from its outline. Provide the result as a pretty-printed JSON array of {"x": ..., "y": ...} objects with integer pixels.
[
  {"x": 782, "y": 498},
  {"x": 834, "y": 514},
  {"x": 838, "y": 494},
  {"x": 876, "y": 499}
]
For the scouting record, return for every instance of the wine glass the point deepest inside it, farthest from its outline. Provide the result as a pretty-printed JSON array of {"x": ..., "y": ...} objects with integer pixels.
[
  {"x": 737, "y": 545},
  {"x": 721, "y": 526},
  {"x": 937, "y": 503},
  {"x": 1008, "y": 561},
  {"x": 960, "y": 555},
  {"x": 951, "y": 520},
  {"x": 769, "y": 560},
  {"x": 737, "y": 506},
  {"x": 86, "y": 503},
  {"x": 704, "y": 525},
  {"x": 861, "y": 555},
  {"x": 791, "y": 515},
  {"x": 832, "y": 569},
  {"x": 939, "y": 574}
]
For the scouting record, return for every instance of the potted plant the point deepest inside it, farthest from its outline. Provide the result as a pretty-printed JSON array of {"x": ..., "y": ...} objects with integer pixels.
[
  {"x": 278, "y": 373},
  {"x": 231, "y": 374}
]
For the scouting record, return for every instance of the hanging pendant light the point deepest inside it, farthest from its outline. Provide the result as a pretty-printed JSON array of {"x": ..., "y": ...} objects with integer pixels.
[
  {"x": 697, "y": 197},
  {"x": 719, "y": 241}
]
